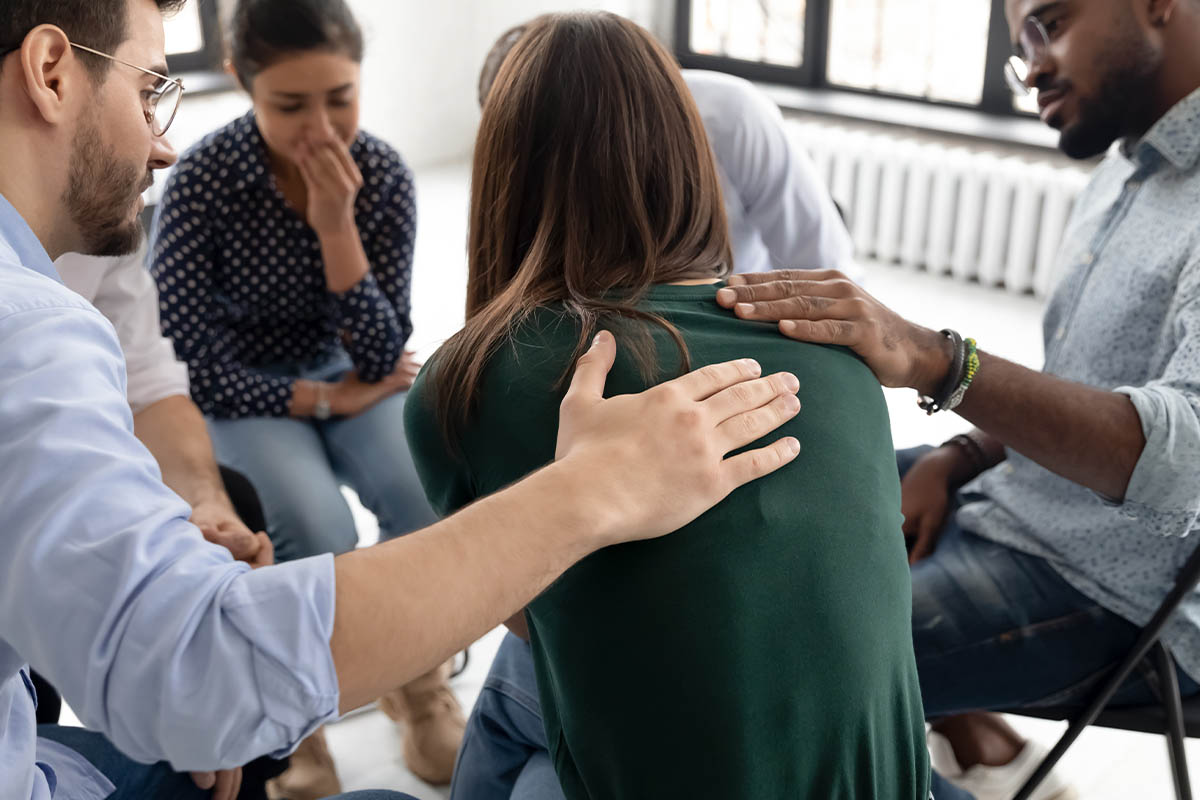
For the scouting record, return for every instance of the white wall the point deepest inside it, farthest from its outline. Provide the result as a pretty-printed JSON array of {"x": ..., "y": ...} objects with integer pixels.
[
  {"x": 421, "y": 69},
  {"x": 423, "y": 61}
]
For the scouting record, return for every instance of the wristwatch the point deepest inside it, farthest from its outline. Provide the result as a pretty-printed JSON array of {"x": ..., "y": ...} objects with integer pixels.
[{"x": 321, "y": 409}]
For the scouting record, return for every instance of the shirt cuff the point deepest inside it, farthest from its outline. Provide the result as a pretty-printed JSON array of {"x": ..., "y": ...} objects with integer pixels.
[
  {"x": 147, "y": 390},
  {"x": 287, "y": 611},
  {"x": 1164, "y": 490},
  {"x": 73, "y": 772},
  {"x": 357, "y": 301},
  {"x": 375, "y": 336}
]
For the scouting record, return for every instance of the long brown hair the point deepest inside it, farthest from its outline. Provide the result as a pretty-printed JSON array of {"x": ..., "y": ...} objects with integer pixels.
[{"x": 593, "y": 180}]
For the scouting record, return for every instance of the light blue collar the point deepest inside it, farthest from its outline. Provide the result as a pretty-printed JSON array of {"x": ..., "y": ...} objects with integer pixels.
[
  {"x": 1175, "y": 137},
  {"x": 18, "y": 240}
]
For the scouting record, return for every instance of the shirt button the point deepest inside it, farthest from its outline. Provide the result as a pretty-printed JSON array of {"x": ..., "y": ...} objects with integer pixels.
[
  {"x": 1088, "y": 258},
  {"x": 1060, "y": 333},
  {"x": 1133, "y": 184}
]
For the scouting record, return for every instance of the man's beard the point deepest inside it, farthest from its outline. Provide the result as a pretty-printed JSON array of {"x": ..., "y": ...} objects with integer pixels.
[
  {"x": 100, "y": 196},
  {"x": 1120, "y": 107}
]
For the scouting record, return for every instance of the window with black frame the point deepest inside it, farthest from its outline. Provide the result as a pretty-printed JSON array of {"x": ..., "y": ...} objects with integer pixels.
[
  {"x": 762, "y": 31},
  {"x": 928, "y": 49},
  {"x": 193, "y": 38},
  {"x": 948, "y": 52}
]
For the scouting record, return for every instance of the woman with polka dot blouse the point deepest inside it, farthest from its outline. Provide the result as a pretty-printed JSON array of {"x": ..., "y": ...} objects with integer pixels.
[{"x": 283, "y": 255}]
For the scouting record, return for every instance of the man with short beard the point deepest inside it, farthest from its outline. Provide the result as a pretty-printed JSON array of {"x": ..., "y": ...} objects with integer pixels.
[
  {"x": 166, "y": 648},
  {"x": 1081, "y": 484}
]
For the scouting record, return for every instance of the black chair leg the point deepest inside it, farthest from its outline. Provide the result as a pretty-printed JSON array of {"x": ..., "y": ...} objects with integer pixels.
[
  {"x": 1077, "y": 726},
  {"x": 1086, "y": 717},
  {"x": 1173, "y": 706}
]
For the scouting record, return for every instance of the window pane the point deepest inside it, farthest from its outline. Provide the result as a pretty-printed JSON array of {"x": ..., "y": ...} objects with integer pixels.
[
  {"x": 183, "y": 30},
  {"x": 924, "y": 48},
  {"x": 767, "y": 31}
]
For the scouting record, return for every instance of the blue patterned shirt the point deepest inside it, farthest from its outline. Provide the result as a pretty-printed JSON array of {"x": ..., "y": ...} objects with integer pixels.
[
  {"x": 1126, "y": 317},
  {"x": 241, "y": 279}
]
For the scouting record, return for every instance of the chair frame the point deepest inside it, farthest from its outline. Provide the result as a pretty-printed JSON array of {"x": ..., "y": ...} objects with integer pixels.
[{"x": 1151, "y": 651}]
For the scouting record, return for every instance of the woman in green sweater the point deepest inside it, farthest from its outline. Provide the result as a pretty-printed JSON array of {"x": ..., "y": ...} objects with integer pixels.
[{"x": 766, "y": 651}]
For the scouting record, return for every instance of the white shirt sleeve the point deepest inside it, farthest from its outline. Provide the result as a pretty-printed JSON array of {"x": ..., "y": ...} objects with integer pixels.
[
  {"x": 123, "y": 290},
  {"x": 774, "y": 179}
]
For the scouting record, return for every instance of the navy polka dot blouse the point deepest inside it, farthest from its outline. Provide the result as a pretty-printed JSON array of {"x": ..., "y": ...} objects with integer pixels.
[{"x": 241, "y": 281}]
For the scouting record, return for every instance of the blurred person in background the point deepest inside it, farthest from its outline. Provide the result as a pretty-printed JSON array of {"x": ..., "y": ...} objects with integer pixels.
[{"x": 283, "y": 254}]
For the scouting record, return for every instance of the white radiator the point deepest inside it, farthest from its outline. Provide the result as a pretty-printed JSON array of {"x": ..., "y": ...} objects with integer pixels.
[{"x": 948, "y": 210}]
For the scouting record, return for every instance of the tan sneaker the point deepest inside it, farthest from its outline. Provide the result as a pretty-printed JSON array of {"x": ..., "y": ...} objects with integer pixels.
[
  {"x": 434, "y": 724},
  {"x": 310, "y": 774}
]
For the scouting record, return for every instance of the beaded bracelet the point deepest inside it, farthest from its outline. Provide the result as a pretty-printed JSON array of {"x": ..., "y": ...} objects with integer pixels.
[
  {"x": 931, "y": 405},
  {"x": 971, "y": 371}
]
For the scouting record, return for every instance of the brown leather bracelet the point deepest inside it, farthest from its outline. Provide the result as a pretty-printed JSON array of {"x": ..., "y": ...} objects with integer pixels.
[{"x": 978, "y": 458}]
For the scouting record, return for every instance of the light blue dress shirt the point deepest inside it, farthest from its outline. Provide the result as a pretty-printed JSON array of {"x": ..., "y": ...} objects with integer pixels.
[
  {"x": 1126, "y": 317},
  {"x": 156, "y": 638}
]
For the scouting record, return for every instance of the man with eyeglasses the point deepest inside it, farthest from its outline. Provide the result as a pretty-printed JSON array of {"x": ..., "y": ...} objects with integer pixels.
[
  {"x": 1081, "y": 485},
  {"x": 166, "y": 647}
]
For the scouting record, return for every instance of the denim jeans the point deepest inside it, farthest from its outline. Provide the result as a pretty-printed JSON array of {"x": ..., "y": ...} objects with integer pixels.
[
  {"x": 298, "y": 466},
  {"x": 995, "y": 628},
  {"x": 992, "y": 628},
  {"x": 136, "y": 781}
]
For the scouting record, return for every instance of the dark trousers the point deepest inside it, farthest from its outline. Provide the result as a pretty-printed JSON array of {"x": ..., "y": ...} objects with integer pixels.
[
  {"x": 255, "y": 774},
  {"x": 136, "y": 781}
]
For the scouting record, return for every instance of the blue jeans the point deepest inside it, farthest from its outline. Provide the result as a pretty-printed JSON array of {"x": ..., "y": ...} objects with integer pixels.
[
  {"x": 298, "y": 466},
  {"x": 136, "y": 781},
  {"x": 504, "y": 753},
  {"x": 993, "y": 628}
]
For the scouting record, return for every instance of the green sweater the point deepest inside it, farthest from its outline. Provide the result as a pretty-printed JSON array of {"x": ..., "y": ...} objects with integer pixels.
[{"x": 765, "y": 650}]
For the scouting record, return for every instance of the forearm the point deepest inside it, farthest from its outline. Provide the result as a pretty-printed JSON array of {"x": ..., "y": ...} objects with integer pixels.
[
  {"x": 1087, "y": 435},
  {"x": 405, "y": 606},
  {"x": 173, "y": 430},
  {"x": 345, "y": 260}
]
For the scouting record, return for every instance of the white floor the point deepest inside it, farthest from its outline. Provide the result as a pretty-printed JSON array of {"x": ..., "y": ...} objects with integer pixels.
[{"x": 1105, "y": 765}]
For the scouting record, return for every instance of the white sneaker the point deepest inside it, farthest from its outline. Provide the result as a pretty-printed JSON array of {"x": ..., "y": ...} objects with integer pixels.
[{"x": 998, "y": 783}]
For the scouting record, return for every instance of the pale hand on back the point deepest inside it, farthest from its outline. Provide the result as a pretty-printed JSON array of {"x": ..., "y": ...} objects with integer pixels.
[{"x": 660, "y": 456}]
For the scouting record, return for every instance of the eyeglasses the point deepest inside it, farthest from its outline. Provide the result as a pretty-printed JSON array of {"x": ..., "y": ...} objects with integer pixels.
[
  {"x": 1032, "y": 45},
  {"x": 160, "y": 104}
]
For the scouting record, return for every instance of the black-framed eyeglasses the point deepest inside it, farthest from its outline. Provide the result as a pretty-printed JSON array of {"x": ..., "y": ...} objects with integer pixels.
[
  {"x": 160, "y": 104},
  {"x": 1032, "y": 45}
]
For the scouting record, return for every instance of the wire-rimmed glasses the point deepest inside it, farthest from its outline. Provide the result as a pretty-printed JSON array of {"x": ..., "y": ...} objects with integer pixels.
[
  {"x": 1031, "y": 48},
  {"x": 160, "y": 104}
]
